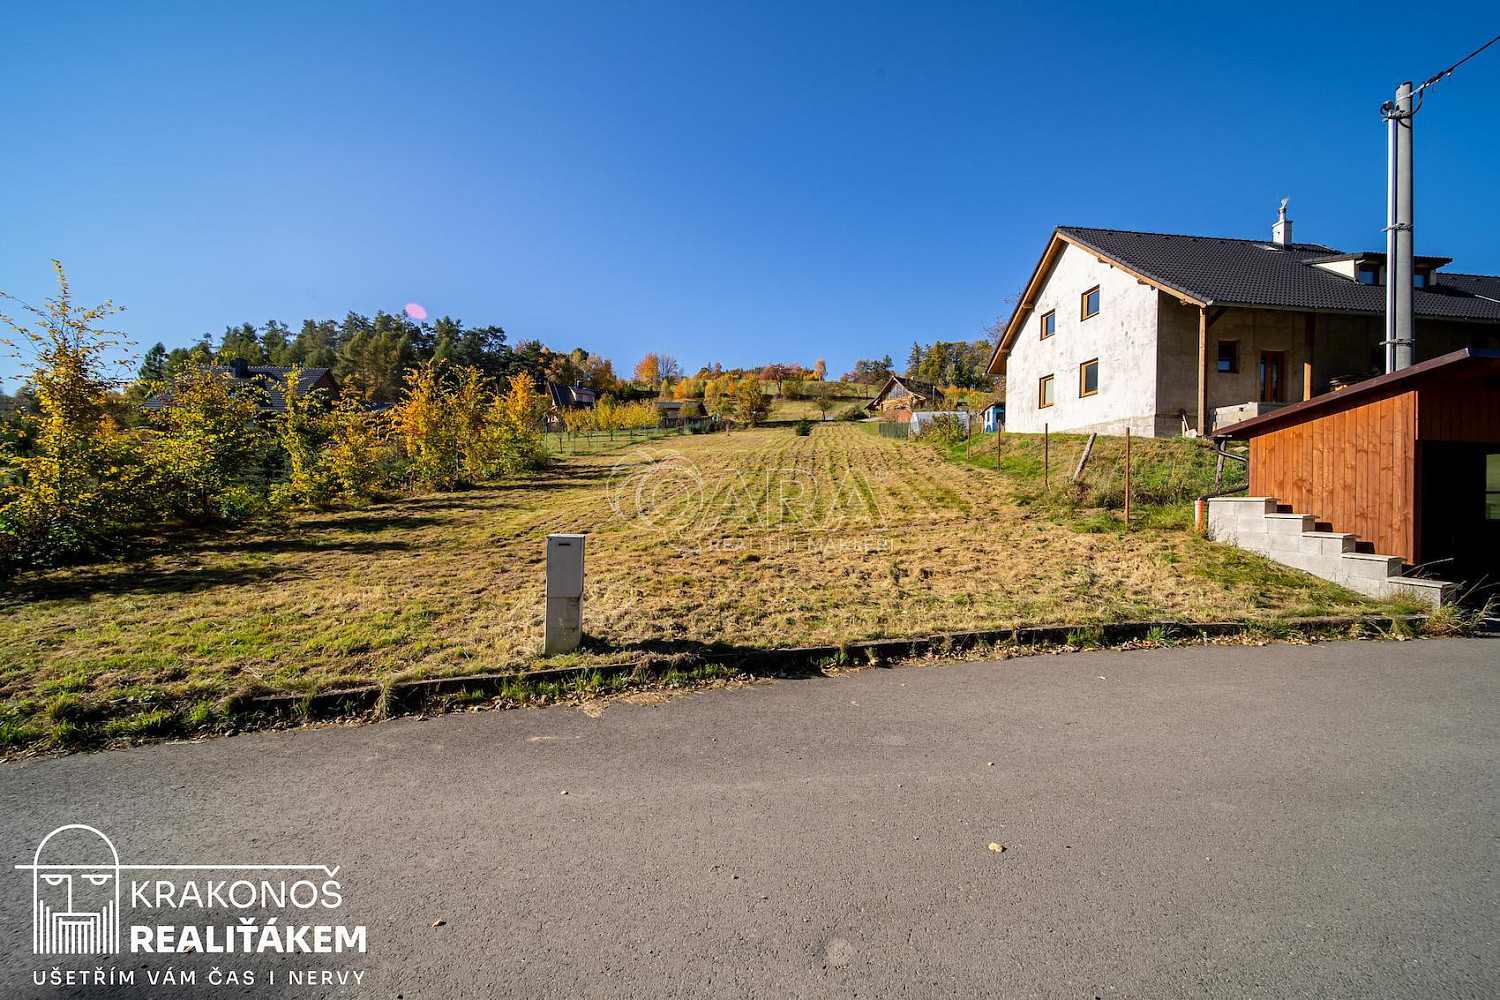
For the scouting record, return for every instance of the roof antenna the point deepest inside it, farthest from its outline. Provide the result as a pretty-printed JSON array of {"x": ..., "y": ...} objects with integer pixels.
[{"x": 1281, "y": 233}]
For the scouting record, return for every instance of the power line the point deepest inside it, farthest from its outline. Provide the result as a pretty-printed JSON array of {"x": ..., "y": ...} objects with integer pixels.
[
  {"x": 1447, "y": 72},
  {"x": 1388, "y": 110}
]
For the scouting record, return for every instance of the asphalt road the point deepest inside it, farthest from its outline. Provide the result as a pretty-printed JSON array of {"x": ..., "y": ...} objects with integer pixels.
[{"x": 1281, "y": 821}]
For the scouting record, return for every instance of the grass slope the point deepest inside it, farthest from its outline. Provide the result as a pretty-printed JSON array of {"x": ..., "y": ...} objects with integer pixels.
[{"x": 750, "y": 539}]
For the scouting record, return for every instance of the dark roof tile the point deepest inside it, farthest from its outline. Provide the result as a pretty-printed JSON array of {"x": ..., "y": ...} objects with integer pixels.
[{"x": 1260, "y": 273}]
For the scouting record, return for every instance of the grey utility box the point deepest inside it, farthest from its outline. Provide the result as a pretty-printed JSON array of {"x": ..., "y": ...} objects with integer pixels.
[{"x": 564, "y": 594}]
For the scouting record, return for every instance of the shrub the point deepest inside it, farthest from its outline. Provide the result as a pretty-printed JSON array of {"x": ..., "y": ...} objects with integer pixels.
[
  {"x": 612, "y": 415},
  {"x": 77, "y": 483},
  {"x": 802, "y": 428},
  {"x": 432, "y": 427},
  {"x": 335, "y": 452},
  {"x": 454, "y": 431},
  {"x": 853, "y": 413},
  {"x": 941, "y": 430},
  {"x": 208, "y": 436},
  {"x": 511, "y": 440}
]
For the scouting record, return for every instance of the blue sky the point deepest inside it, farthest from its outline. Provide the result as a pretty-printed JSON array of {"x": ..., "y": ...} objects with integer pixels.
[{"x": 734, "y": 182}]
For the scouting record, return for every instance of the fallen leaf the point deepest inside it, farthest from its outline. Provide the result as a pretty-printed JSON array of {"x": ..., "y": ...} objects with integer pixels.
[
  {"x": 439, "y": 923},
  {"x": 997, "y": 848}
]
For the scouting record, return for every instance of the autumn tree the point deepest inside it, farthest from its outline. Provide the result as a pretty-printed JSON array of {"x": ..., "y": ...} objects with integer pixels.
[
  {"x": 333, "y": 448},
  {"x": 822, "y": 398},
  {"x": 207, "y": 437},
  {"x": 867, "y": 371},
  {"x": 781, "y": 374},
  {"x": 648, "y": 369},
  {"x": 751, "y": 405},
  {"x": 78, "y": 484}
]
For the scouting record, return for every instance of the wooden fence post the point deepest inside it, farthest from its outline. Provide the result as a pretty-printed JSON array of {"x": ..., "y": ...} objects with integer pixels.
[
  {"x": 1127, "y": 479},
  {"x": 1083, "y": 460},
  {"x": 1046, "y": 457}
]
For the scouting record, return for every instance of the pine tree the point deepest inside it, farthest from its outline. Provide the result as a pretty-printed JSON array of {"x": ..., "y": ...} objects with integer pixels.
[{"x": 154, "y": 364}]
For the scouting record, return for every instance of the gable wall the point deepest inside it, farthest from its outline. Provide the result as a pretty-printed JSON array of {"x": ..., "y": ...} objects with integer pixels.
[{"x": 1122, "y": 337}]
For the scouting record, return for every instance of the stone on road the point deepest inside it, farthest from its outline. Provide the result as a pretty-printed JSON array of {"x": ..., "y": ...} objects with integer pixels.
[{"x": 1203, "y": 821}]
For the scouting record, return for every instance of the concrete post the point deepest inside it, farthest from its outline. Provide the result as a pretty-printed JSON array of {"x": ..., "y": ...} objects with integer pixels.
[
  {"x": 564, "y": 594},
  {"x": 1398, "y": 237}
]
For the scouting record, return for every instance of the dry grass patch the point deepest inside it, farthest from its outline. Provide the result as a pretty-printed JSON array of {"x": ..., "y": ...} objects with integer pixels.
[{"x": 750, "y": 539}]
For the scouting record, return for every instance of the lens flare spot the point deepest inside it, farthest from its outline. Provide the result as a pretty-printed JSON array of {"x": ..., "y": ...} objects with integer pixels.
[{"x": 415, "y": 311}]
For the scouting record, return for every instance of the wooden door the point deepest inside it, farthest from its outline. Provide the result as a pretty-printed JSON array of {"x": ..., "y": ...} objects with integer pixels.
[{"x": 1273, "y": 376}]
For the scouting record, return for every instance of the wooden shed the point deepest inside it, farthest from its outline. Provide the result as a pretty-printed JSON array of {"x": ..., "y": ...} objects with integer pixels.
[{"x": 1409, "y": 461}]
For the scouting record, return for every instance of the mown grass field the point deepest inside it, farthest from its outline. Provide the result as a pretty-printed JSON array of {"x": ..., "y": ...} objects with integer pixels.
[{"x": 752, "y": 539}]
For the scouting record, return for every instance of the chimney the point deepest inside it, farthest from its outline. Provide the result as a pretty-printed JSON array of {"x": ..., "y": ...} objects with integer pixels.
[
  {"x": 239, "y": 367},
  {"x": 1281, "y": 233}
]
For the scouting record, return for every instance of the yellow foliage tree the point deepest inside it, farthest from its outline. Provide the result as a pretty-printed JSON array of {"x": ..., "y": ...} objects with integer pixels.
[
  {"x": 429, "y": 432},
  {"x": 80, "y": 484},
  {"x": 455, "y": 431},
  {"x": 208, "y": 435},
  {"x": 333, "y": 448}
]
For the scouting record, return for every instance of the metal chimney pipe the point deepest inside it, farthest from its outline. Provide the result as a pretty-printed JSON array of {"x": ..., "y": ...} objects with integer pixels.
[{"x": 1399, "y": 333}]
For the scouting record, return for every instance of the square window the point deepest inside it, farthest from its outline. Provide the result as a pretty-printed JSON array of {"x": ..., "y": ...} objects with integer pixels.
[
  {"x": 1088, "y": 378},
  {"x": 1049, "y": 324},
  {"x": 1419, "y": 279},
  {"x": 1044, "y": 391},
  {"x": 1091, "y": 302},
  {"x": 1229, "y": 355},
  {"x": 1365, "y": 276}
]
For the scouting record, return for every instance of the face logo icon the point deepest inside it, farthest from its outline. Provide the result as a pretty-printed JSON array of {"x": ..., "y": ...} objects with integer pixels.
[{"x": 75, "y": 900}]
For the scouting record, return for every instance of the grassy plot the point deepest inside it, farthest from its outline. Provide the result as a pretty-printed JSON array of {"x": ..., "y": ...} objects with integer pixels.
[{"x": 750, "y": 539}]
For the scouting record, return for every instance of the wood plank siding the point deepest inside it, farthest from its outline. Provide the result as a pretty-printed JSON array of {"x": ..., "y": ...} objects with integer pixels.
[
  {"x": 1354, "y": 468},
  {"x": 1460, "y": 410}
]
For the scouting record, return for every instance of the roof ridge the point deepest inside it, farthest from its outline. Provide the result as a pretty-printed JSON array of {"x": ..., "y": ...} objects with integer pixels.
[{"x": 1196, "y": 236}]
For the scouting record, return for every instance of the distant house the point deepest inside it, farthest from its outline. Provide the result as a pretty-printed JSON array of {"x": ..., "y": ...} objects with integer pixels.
[
  {"x": 675, "y": 411},
  {"x": 900, "y": 397},
  {"x": 993, "y": 417},
  {"x": 571, "y": 397},
  {"x": 1167, "y": 334},
  {"x": 268, "y": 384}
]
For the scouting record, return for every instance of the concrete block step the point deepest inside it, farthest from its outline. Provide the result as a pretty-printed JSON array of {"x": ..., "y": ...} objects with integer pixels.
[
  {"x": 1245, "y": 505},
  {"x": 1370, "y": 566},
  {"x": 1328, "y": 543},
  {"x": 1289, "y": 524}
]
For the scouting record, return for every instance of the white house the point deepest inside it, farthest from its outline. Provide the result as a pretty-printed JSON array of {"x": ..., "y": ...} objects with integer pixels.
[{"x": 1169, "y": 334}]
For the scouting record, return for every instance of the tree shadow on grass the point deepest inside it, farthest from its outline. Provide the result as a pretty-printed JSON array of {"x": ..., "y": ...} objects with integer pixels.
[
  {"x": 372, "y": 524},
  {"x": 135, "y": 579}
]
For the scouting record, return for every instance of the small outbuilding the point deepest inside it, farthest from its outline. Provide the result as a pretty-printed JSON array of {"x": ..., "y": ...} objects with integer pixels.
[
  {"x": 900, "y": 397},
  {"x": 675, "y": 412},
  {"x": 993, "y": 417},
  {"x": 1408, "y": 462}
]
